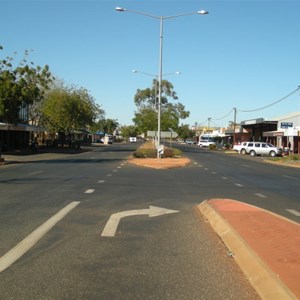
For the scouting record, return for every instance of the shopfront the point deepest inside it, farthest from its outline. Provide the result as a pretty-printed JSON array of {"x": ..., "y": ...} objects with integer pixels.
[{"x": 287, "y": 133}]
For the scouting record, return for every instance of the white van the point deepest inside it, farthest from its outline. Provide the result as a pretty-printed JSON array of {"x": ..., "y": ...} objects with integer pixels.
[{"x": 206, "y": 141}]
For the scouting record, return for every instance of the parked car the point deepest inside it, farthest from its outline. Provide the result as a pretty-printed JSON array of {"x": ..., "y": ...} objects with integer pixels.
[{"x": 260, "y": 148}]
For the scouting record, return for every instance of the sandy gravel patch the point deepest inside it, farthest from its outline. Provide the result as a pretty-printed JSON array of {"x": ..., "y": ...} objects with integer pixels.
[{"x": 161, "y": 163}]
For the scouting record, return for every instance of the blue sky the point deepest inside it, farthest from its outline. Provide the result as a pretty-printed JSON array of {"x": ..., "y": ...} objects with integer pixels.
[{"x": 243, "y": 54}]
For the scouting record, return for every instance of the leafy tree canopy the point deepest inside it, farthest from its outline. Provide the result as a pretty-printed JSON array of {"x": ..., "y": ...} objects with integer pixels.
[
  {"x": 128, "y": 131},
  {"x": 67, "y": 109},
  {"x": 146, "y": 101},
  {"x": 106, "y": 125},
  {"x": 184, "y": 132},
  {"x": 23, "y": 84}
]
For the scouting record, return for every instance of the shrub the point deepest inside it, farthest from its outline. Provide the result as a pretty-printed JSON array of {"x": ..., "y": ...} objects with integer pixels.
[
  {"x": 168, "y": 152},
  {"x": 212, "y": 146},
  {"x": 177, "y": 152},
  {"x": 145, "y": 153}
]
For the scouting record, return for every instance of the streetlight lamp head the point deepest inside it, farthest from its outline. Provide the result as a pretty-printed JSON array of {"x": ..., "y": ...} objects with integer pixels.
[
  {"x": 120, "y": 9},
  {"x": 134, "y": 71},
  {"x": 202, "y": 12}
]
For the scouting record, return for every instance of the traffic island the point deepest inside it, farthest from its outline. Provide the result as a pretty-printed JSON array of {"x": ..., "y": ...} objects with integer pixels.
[{"x": 264, "y": 245}]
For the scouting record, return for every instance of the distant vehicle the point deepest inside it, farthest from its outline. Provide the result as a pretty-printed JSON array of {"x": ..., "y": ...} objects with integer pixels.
[
  {"x": 206, "y": 141},
  {"x": 189, "y": 142},
  {"x": 132, "y": 139},
  {"x": 260, "y": 148},
  {"x": 107, "y": 139}
]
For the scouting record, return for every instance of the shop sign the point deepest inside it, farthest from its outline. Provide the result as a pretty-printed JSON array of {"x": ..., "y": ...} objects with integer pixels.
[{"x": 286, "y": 124}]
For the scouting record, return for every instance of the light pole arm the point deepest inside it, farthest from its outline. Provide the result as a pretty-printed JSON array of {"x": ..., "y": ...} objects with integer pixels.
[{"x": 201, "y": 12}]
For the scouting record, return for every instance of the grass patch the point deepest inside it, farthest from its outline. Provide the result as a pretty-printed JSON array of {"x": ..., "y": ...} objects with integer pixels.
[{"x": 288, "y": 158}]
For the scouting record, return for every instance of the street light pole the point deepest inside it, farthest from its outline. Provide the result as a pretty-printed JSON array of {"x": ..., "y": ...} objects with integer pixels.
[
  {"x": 159, "y": 86},
  {"x": 161, "y": 19}
]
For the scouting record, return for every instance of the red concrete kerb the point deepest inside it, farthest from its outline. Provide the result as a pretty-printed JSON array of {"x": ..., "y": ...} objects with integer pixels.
[{"x": 265, "y": 245}]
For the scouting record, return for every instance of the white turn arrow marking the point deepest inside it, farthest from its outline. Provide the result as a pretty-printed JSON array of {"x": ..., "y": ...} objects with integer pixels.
[{"x": 113, "y": 222}]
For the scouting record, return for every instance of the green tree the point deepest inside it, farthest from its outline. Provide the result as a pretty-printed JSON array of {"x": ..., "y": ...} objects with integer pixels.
[
  {"x": 146, "y": 101},
  {"x": 128, "y": 131},
  {"x": 67, "y": 109},
  {"x": 184, "y": 132},
  {"x": 146, "y": 119},
  {"x": 106, "y": 125},
  {"x": 21, "y": 86}
]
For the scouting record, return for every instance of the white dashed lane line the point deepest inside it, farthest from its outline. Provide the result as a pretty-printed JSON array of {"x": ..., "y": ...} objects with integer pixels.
[
  {"x": 290, "y": 177},
  {"x": 101, "y": 181},
  {"x": 294, "y": 212},
  {"x": 238, "y": 184},
  {"x": 89, "y": 191},
  {"x": 35, "y": 173},
  {"x": 246, "y": 166},
  {"x": 260, "y": 195}
]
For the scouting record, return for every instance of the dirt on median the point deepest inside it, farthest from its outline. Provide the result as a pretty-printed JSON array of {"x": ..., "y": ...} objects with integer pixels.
[{"x": 161, "y": 163}]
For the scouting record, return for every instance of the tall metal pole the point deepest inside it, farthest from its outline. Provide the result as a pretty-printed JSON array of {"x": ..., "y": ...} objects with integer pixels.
[
  {"x": 160, "y": 86},
  {"x": 234, "y": 124},
  {"x": 161, "y": 18}
]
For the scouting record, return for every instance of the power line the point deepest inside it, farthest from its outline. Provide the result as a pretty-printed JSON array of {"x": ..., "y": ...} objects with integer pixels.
[
  {"x": 223, "y": 116},
  {"x": 261, "y": 108}
]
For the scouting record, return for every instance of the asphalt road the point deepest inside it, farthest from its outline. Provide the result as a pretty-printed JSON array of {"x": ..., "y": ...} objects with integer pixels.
[
  {"x": 172, "y": 256},
  {"x": 248, "y": 179}
]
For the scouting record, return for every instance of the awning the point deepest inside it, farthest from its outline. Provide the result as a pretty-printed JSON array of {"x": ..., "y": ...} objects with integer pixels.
[{"x": 273, "y": 133}]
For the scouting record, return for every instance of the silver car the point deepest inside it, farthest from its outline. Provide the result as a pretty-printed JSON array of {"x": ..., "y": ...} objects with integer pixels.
[{"x": 259, "y": 148}]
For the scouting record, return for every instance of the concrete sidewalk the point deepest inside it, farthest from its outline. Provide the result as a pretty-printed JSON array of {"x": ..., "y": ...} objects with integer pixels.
[{"x": 266, "y": 246}]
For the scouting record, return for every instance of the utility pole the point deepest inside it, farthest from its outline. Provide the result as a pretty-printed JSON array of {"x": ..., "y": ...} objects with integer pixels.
[{"x": 234, "y": 124}]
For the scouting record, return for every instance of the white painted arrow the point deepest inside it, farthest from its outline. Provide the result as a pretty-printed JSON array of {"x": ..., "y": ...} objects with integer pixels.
[{"x": 113, "y": 222}]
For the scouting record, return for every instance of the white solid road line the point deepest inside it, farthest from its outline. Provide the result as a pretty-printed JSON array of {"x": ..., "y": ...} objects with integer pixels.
[{"x": 20, "y": 249}]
